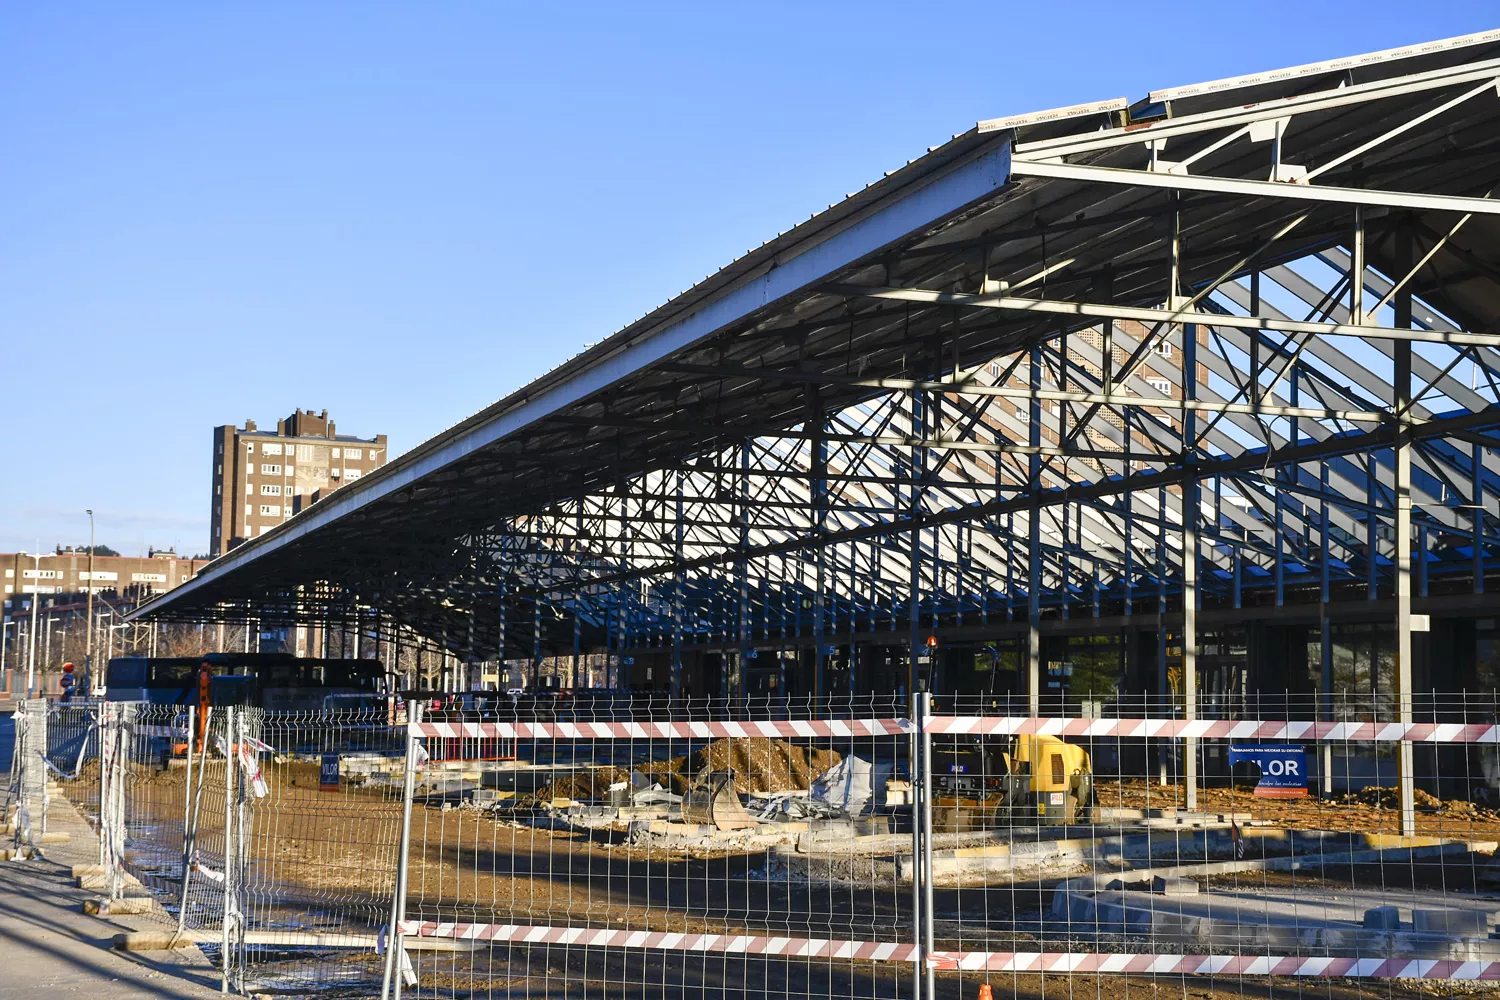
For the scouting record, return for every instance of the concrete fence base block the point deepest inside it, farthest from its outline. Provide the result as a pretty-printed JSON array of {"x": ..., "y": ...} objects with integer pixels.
[
  {"x": 101, "y": 881},
  {"x": 116, "y": 907},
  {"x": 162, "y": 940}
]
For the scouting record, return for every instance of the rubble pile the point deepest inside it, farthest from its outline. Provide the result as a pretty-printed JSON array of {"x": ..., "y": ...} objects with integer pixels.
[
  {"x": 760, "y": 764},
  {"x": 582, "y": 785}
]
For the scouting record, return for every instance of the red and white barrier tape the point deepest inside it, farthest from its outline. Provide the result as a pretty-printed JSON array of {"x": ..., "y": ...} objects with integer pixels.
[
  {"x": 975, "y": 725},
  {"x": 1215, "y": 965},
  {"x": 1241, "y": 729},
  {"x": 964, "y": 961},
  {"x": 784, "y": 947},
  {"x": 659, "y": 730}
]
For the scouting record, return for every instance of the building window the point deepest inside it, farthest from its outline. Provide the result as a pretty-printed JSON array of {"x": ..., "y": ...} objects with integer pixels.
[
  {"x": 334, "y": 473},
  {"x": 291, "y": 470},
  {"x": 270, "y": 490},
  {"x": 148, "y": 578},
  {"x": 39, "y": 574},
  {"x": 1161, "y": 385},
  {"x": 1162, "y": 347},
  {"x": 265, "y": 528},
  {"x": 352, "y": 473},
  {"x": 250, "y": 447},
  {"x": 270, "y": 510},
  {"x": 270, "y": 449},
  {"x": 270, "y": 470},
  {"x": 335, "y": 453},
  {"x": 354, "y": 453},
  {"x": 247, "y": 510}
]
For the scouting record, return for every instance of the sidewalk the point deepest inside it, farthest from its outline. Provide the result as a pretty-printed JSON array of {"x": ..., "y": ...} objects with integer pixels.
[{"x": 48, "y": 948}]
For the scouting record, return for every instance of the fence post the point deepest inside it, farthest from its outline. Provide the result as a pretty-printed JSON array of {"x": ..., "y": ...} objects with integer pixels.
[
  {"x": 925, "y": 706},
  {"x": 36, "y": 708},
  {"x": 112, "y": 743},
  {"x": 244, "y": 772},
  {"x": 231, "y": 908},
  {"x": 16, "y": 803},
  {"x": 390, "y": 987},
  {"x": 914, "y": 756},
  {"x": 107, "y": 736},
  {"x": 189, "y": 819}
]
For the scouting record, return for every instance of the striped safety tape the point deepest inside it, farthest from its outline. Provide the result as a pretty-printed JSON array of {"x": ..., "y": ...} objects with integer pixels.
[
  {"x": 659, "y": 730},
  {"x": 1236, "y": 729},
  {"x": 1214, "y": 965},
  {"x": 785, "y": 947},
  {"x": 963, "y": 961}
]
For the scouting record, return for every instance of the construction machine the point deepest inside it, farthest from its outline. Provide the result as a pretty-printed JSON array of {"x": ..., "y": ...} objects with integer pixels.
[{"x": 1035, "y": 779}]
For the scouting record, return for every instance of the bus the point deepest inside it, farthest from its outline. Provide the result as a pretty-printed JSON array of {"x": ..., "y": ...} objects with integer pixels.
[{"x": 274, "y": 681}]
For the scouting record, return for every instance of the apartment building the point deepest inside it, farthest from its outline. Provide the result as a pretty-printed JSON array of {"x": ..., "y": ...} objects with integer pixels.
[
  {"x": 263, "y": 477},
  {"x": 66, "y": 571}
]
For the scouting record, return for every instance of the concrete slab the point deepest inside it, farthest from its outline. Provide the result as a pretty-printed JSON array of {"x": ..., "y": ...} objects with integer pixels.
[{"x": 1311, "y": 920}]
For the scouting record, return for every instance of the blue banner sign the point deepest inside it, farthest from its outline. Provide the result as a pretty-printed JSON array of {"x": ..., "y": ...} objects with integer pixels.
[
  {"x": 328, "y": 773},
  {"x": 1283, "y": 768}
]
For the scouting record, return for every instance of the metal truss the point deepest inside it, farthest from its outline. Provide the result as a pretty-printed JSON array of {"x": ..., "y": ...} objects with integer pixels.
[{"x": 1182, "y": 360}]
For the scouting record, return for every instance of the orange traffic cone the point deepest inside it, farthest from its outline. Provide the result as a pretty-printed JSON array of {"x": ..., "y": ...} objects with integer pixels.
[{"x": 985, "y": 993}]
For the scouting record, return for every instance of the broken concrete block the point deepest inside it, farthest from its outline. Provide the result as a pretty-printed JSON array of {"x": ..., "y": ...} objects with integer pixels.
[
  {"x": 1383, "y": 918},
  {"x": 1164, "y": 885},
  {"x": 1456, "y": 923}
]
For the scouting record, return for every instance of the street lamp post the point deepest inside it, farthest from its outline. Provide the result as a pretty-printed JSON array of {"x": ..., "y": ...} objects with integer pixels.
[
  {"x": 88, "y": 646},
  {"x": 3, "y": 627},
  {"x": 36, "y": 599},
  {"x": 112, "y": 630},
  {"x": 47, "y": 646},
  {"x": 109, "y": 651}
]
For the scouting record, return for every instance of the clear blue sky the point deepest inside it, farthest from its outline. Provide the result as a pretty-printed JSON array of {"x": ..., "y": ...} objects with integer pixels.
[{"x": 401, "y": 212}]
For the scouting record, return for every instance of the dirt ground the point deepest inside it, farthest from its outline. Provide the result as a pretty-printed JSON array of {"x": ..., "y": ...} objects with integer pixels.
[{"x": 1373, "y": 811}]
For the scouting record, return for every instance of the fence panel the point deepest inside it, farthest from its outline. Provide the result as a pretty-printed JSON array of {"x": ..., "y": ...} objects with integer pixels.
[
  {"x": 1269, "y": 843},
  {"x": 854, "y": 849},
  {"x": 664, "y": 850},
  {"x": 26, "y": 799},
  {"x": 320, "y": 848}
]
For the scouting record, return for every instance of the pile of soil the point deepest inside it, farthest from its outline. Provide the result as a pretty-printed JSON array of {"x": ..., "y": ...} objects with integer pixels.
[
  {"x": 581, "y": 785},
  {"x": 760, "y": 764},
  {"x": 1390, "y": 798}
]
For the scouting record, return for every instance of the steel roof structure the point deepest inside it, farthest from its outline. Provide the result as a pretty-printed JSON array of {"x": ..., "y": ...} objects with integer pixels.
[{"x": 984, "y": 389}]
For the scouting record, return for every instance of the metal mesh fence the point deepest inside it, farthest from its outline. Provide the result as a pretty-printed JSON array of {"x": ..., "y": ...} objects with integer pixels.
[
  {"x": 646, "y": 848},
  {"x": 320, "y": 847},
  {"x": 859, "y": 848},
  {"x": 27, "y": 794}
]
